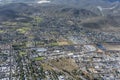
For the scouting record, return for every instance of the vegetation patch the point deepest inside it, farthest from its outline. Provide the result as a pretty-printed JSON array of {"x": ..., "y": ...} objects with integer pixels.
[
  {"x": 64, "y": 64},
  {"x": 46, "y": 66},
  {"x": 2, "y": 31},
  {"x": 53, "y": 44},
  {"x": 61, "y": 43},
  {"x": 22, "y": 53},
  {"x": 39, "y": 58},
  {"x": 8, "y": 23},
  {"x": 37, "y": 19},
  {"x": 23, "y": 30}
]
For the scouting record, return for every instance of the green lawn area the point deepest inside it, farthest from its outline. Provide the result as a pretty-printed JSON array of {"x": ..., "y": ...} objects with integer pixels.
[
  {"x": 53, "y": 44},
  {"x": 26, "y": 24},
  {"x": 39, "y": 58},
  {"x": 8, "y": 23},
  {"x": 23, "y": 29},
  {"x": 2, "y": 31},
  {"x": 38, "y": 19},
  {"x": 22, "y": 53}
]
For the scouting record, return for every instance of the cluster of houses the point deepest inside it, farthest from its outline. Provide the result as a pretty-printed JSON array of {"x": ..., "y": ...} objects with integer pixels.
[{"x": 90, "y": 58}]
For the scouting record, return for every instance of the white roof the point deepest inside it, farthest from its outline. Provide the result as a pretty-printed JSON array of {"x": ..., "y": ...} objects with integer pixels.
[
  {"x": 70, "y": 54},
  {"x": 41, "y": 49}
]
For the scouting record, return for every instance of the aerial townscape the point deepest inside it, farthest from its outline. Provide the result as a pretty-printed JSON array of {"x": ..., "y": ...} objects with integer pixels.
[{"x": 59, "y": 39}]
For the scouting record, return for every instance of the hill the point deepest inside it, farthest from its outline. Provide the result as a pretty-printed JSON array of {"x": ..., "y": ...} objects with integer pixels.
[{"x": 60, "y": 15}]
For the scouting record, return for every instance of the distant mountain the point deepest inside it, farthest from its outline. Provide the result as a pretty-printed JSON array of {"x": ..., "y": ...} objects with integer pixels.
[
  {"x": 84, "y": 3},
  {"x": 15, "y": 10},
  {"x": 59, "y": 15},
  {"x": 24, "y": 1},
  {"x": 112, "y": 0},
  {"x": 19, "y": 10},
  {"x": 7, "y": 14},
  {"x": 18, "y": 7},
  {"x": 70, "y": 2}
]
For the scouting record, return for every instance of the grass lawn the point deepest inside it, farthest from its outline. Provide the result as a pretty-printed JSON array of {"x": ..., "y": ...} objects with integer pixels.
[
  {"x": 22, "y": 53},
  {"x": 39, "y": 58}
]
